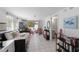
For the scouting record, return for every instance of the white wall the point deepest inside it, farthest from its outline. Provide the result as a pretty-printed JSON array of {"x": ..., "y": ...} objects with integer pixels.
[
  {"x": 40, "y": 24},
  {"x": 65, "y": 13}
]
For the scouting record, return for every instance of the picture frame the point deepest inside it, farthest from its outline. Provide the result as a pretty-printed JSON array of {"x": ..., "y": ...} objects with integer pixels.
[{"x": 71, "y": 22}]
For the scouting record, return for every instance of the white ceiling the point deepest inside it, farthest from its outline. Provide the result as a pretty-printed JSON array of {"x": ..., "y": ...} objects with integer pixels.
[{"x": 33, "y": 13}]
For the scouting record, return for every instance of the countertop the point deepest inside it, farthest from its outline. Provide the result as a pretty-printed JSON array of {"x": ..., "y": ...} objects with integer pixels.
[{"x": 6, "y": 44}]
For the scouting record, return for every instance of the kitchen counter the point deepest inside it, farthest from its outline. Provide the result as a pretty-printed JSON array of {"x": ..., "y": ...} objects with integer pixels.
[{"x": 7, "y": 45}]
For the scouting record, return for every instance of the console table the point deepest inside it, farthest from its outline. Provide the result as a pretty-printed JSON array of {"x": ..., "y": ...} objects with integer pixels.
[{"x": 67, "y": 44}]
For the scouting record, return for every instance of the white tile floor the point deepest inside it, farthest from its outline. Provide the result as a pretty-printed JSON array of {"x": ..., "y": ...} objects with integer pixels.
[{"x": 39, "y": 44}]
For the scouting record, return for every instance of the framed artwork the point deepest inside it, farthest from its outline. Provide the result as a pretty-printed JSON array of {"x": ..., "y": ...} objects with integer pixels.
[
  {"x": 21, "y": 25},
  {"x": 71, "y": 22},
  {"x": 31, "y": 23}
]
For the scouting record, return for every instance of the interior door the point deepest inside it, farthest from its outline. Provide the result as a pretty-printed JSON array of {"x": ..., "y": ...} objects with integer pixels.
[{"x": 54, "y": 26}]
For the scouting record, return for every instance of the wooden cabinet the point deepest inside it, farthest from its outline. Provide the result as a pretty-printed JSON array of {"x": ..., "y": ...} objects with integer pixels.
[
  {"x": 46, "y": 34},
  {"x": 63, "y": 46},
  {"x": 20, "y": 45},
  {"x": 67, "y": 44}
]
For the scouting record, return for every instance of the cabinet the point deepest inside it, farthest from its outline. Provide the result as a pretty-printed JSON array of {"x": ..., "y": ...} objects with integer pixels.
[
  {"x": 46, "y": 34},
  {"x": 20, "y": 45},
  {"x": 67, "y": 44},
  {"x": 62, "y": 45}
]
